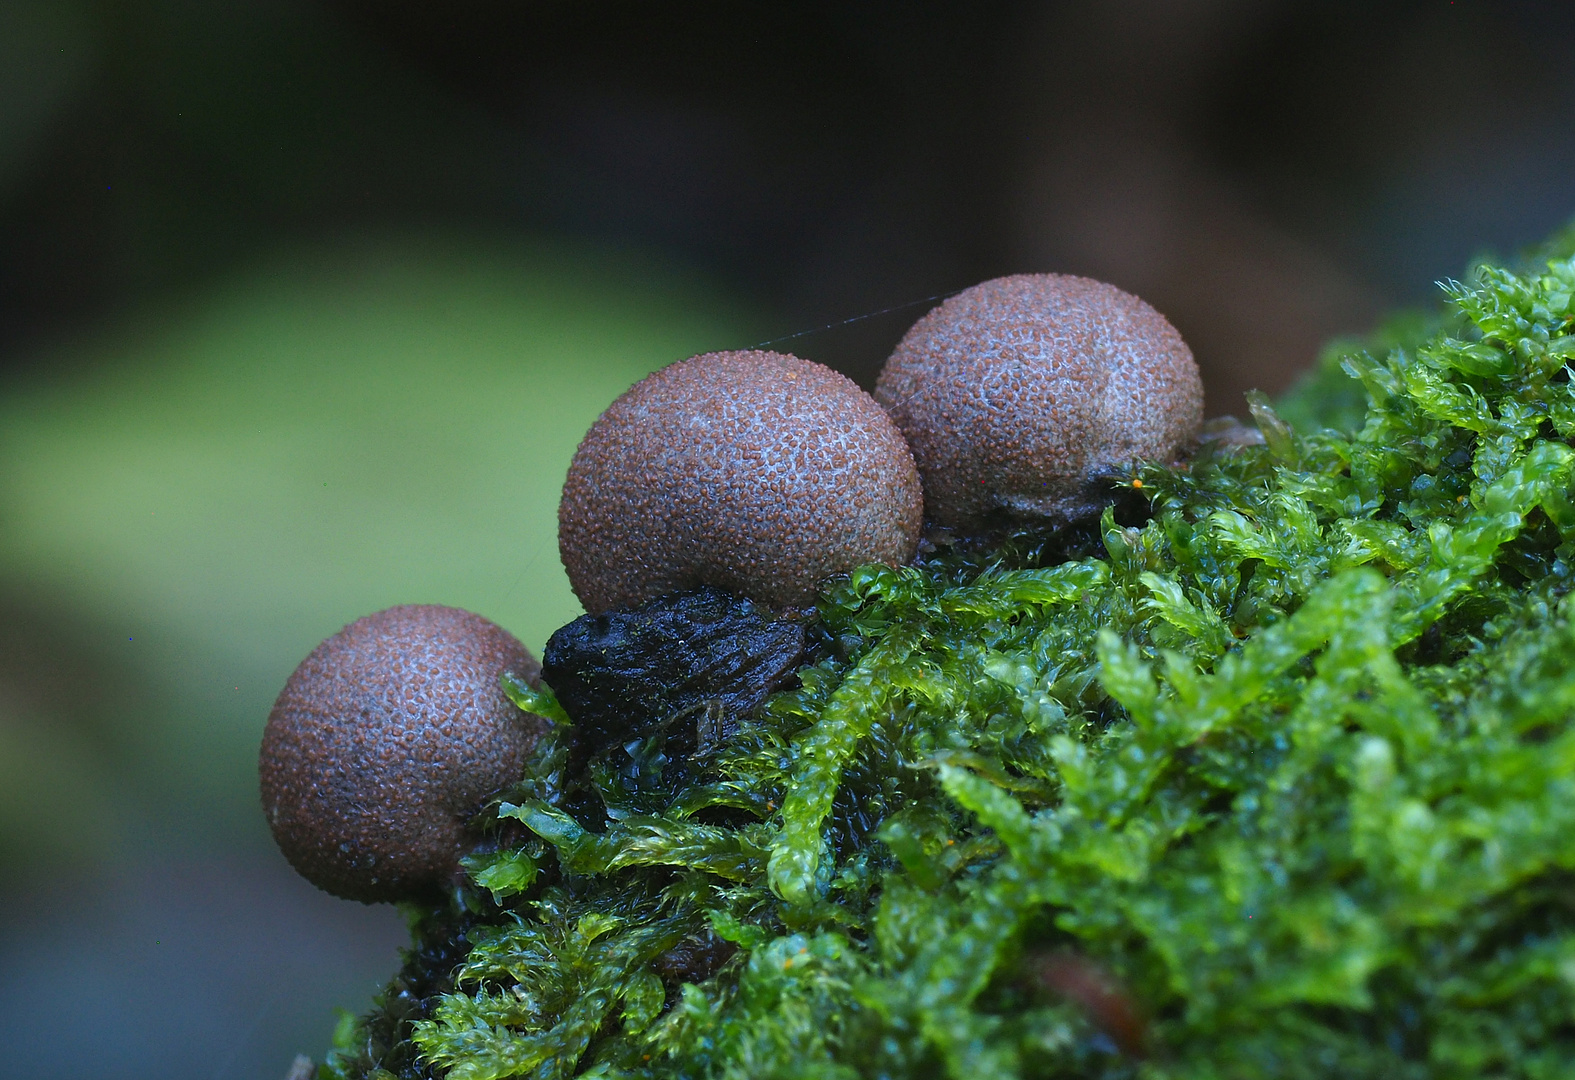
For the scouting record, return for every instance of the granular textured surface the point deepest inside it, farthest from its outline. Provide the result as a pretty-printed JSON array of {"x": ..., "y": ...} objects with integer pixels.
[
  {"x": 756, "y": 472},
  {"x": 1022, "y": 397},
  {"x": 385, "y": 739}
]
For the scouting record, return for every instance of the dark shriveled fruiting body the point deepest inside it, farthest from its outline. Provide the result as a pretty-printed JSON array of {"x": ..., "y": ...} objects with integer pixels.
[
  {"x": 1021, "y": 397},
  {"x": 754, "y": 472},
  {"x": 385, "y": 739}
]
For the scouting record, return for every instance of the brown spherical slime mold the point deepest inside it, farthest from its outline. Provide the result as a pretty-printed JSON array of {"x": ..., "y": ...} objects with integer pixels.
[
  {"x": 385, "y": 740},
  {"x": 754, "y": 472},
  {"x": 1021, "y": 398}
]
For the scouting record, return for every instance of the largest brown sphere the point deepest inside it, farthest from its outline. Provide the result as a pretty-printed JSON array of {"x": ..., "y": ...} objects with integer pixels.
[
  {"x": 753, "y": 472},
  {"x": 1023, "y": 396},
  {"x": 385, "y": 740}
]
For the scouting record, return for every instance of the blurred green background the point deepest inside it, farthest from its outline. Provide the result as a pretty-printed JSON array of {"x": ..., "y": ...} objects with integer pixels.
[
  {"x": 305, "y": 304},
  {"x": 195, "y": 496},
  {"x": 204, "y": 492}
]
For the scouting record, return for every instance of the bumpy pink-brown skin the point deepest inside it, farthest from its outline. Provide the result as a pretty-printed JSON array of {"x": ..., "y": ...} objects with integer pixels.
[
  {"x": 1021, "y": 396},
  {"x": 385, "y": 739},
  {"x": 754, "y": 472}
]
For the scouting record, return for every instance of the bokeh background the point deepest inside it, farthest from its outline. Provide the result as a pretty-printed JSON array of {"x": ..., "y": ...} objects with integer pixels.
[{"x": 304, "y": 305}]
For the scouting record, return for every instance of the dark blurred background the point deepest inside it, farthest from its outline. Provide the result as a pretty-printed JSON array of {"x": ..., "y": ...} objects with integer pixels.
[{"x": 304, "y": 306}]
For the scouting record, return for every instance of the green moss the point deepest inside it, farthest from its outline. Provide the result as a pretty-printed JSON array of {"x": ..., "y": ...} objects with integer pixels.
[{"x": 1274, "y": 779}]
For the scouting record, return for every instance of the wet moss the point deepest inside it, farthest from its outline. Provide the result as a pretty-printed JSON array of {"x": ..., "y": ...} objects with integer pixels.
[{"x": 1273, "y": 778}]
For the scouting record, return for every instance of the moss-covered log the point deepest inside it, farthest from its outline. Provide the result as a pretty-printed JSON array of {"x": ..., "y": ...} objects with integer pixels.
[{"x": 1276, "y": 778}]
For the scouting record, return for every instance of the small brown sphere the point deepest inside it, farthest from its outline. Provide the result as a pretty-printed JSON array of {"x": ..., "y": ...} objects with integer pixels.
[
  {"x": 385, "y": 739},
  {"x": 1021, "y": 397},
  {"x": 753, "y": 472}
]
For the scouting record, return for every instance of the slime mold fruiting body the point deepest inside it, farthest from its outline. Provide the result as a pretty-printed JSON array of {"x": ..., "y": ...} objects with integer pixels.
[
  {"x": 385, "y": 740},
  {"x": 1023, "y": 396},
  {"x": 755, "y": 472}
]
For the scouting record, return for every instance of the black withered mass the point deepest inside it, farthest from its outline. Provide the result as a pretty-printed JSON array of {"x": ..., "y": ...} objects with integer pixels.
[{"x": 687, "y": 668}]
